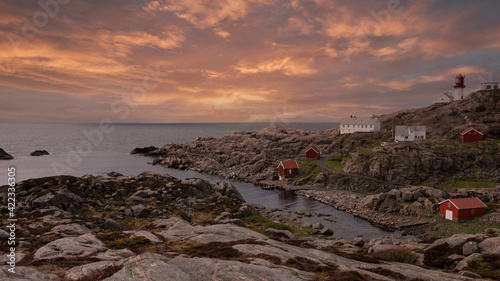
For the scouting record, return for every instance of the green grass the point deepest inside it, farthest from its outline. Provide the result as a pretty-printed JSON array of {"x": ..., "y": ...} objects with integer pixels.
[
  {"x": 475, "y": 184},
  {"x": 334, "y": 165},
  {"x": 472, "y": 226},
  {"x": 368, "y": 151}
]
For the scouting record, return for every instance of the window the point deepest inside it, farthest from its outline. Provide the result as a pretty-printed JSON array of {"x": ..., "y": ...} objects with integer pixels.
[
  {"x": 472, "y": 211},
  {"x": 449, "y": 205}
]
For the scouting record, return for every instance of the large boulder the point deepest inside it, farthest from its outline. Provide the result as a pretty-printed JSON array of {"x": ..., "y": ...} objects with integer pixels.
[
  {"x": 227, "y": 189},
  {"x": 4, "y": 155},
  {"x": 490, "y": 246},
  {"x": 62, "y": 199},
  {"x": 71, "y": 247}
]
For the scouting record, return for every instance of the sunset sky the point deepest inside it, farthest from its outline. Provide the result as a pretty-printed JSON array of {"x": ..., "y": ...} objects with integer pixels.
[{"x": 166, "y": 61}]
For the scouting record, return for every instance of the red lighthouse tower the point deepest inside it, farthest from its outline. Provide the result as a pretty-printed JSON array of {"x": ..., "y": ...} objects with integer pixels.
[{"x": 459, "y": 87}]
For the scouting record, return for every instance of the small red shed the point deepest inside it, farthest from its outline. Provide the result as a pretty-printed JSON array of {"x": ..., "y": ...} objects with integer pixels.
[
  {"x": 288, "y": 169},
  {"x": 462, "y": 208},
  {"x": 471, "y": 135},
  {"x": 313, "y": 152}
]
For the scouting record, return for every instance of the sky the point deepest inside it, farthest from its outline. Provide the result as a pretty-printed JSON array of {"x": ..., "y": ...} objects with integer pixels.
[{"x": 169, "y": 61}]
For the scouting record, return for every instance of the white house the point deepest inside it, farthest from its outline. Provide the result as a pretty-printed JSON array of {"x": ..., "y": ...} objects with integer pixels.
[
  {"x": 410, "y": 133},
  {"x": 445, "y": 98},
  {"x": 489, "y": 86},
  {"x": 359, "y": 124}
]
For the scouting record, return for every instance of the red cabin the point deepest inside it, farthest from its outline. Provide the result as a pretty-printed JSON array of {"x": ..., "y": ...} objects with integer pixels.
[
  {"x": 288, "y": 169},
  {"x": 313, "y": 152},
  {"x": 462, "y": 208},
  {"x": 471, "y": 135}
]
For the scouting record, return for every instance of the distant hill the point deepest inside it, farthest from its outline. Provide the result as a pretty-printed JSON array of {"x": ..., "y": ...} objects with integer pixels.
[{"x": 480, "y": 110}]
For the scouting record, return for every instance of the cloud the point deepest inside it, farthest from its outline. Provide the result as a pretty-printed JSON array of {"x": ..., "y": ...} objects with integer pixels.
[
  {"x": 287, "y": 65},
  {"x": 232, "y": 60}
]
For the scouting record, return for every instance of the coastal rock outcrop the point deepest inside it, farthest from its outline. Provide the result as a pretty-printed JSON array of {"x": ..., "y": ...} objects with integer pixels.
[
  {"x": 39, "y": 153},
  {"x": 5, "y": 156}
]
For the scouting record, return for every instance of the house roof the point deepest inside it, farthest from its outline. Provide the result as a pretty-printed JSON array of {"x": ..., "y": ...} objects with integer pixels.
[
  {"x": 466, "y": 203},
  {"x": 405, "y": 130},
  {"x": 289, "y": 164},
  {"x": 468, "y": 130},
  {"x": 313, "y": 148},
  {"x": 360, "y": 121}
]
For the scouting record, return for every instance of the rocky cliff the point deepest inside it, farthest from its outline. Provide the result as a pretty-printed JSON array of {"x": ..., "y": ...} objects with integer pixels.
[
  {"x": 155, "y": 227},
  {"x": 445, "y": 121}
]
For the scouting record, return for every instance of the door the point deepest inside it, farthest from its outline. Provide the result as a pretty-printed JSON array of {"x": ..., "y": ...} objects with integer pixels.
[{"x": 449, "y": 215}]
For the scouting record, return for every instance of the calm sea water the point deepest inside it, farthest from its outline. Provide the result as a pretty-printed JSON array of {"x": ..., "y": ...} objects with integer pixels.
[{"x": 79, "y": 149}]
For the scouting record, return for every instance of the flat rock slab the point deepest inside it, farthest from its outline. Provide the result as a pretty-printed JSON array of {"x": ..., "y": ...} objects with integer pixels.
[
  {"x": 71, "y": 247},
  {"x": 115, "y": 255},
  {"x": 26, "y": 274},
  {"x": 84, "y": 271},
  {"x": 146, "y": 234},
  {"x": 70, "y": 229},
  {"x": 154, "y": 267}
]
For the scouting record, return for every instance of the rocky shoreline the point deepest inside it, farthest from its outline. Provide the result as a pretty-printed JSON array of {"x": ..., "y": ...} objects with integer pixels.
[{"x": 117, "y": 227}]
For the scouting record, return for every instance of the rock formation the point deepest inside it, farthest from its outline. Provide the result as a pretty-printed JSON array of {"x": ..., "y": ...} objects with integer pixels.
[
  {"x": 192, "y": 230},
  {"x": 39, "y": 153},
  {"x": 4, "y": 155}
]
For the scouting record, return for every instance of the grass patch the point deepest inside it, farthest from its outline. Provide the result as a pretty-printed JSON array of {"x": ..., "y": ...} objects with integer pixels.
[
  {"x": 487, "y": 265},
  {"x": 258, "y": 223},
  {"x": 438, "y": 256},
  {"x": 448, "y": 228},
  {"x": 368, "y": 151},
  {"x": 475, "y": 184},
  {"x": 334, "y": 165}
]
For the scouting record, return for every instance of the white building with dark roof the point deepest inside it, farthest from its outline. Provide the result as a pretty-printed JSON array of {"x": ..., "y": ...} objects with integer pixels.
[
  {"x": 410, "y": 133},
  {"x": 359, "y": 124}
]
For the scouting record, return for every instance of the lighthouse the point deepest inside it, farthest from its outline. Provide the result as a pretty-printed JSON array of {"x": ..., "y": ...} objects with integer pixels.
[{"x": 459, "y": 87}]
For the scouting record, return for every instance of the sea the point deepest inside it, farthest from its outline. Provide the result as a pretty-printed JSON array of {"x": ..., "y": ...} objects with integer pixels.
[{"x": 80, "y": 149}]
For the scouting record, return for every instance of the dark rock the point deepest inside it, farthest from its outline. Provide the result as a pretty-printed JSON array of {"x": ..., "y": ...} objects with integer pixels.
[
  {"x": 318, "y": 226},
  {"x": 139, "y": 211},
  {"x": 111, "y": 225},
  {"x": 4, "y": 235},
  {"x": 358, "y": 241},
  {"x": 470, "y": 247},
  {"x": 144, "y": 150},
  {"x": 4, "y": 155},
  {"x": 62, "y": 199},
  {"x": 227, "y": 189},
  {"x": 326, "y": 231},
  {"x": 115, "y": 174},
  {"x": 39, "y": 153}
]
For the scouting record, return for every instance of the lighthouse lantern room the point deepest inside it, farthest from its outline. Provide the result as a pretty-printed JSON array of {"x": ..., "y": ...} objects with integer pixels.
[{"x": 459, "y": 87}]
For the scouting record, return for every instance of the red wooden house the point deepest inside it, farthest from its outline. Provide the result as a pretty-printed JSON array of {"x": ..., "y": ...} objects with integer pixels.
[
  {"x": 288, "y": 169},
  {"x": 471, "y": 135},
  {"x": 313, "y": 152},
  {"x": 462, "y": 208}
]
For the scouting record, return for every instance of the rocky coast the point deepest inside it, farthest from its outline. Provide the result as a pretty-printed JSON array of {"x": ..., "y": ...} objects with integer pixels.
[{"x": 155, "y": 227}]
